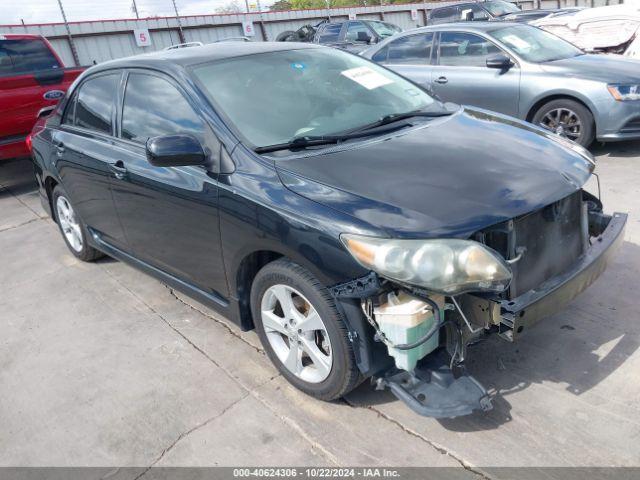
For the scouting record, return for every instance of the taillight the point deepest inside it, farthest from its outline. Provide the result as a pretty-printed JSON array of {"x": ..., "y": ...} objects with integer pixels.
[{"x": 29, "y": 143}]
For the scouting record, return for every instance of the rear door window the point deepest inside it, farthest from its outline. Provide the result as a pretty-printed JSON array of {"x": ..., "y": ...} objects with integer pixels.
[
  {"x": 330, "y": 33},
  {"x": 154, "y": 107},
  {"x": 21, "y": 56},
  {"x": 95, "y": 104},
  {"x": 460, "y": 49},
  {"x": 446, "y": 14},
  {"x": 412, "y": 50}
]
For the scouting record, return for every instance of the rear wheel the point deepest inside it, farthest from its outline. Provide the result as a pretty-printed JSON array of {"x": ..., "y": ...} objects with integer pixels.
[
  {"x": 302, "y": 332},
  {"x": 567, "y": 118},
  {"x": 74, "y": 232}
]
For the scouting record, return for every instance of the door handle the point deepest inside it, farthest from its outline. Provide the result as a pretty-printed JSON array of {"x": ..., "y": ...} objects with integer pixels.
[
  {"x": 442, "y": 80},
  {"x": 59, "y": 149},
  {"x": 118, "y": 169}
]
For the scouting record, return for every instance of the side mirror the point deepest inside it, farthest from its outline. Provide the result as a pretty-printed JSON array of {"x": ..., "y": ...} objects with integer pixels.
[
  {"x": 499, "y": 61},
  {"x": 363, "y": 37},
  {"x": 467, "y": 15},
  {"x": 175, "y": 151}
]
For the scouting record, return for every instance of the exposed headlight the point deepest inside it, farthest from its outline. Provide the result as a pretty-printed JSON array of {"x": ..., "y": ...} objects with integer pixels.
[
  {"x": 624, "y": 92},
  {"x": 447, "y": 266}
]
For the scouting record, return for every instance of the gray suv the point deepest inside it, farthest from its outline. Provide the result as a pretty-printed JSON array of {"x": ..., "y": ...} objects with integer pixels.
[{"x": 522, "y": 71}]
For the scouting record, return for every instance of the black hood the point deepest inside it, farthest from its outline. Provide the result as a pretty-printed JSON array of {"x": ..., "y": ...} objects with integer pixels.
[{"x": 449, "y": 177}]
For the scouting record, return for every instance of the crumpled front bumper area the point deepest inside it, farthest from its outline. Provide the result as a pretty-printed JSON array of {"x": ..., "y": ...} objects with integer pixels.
[
  {"x": 518, "y": 314},
  {"x": 435, "y": 390}
]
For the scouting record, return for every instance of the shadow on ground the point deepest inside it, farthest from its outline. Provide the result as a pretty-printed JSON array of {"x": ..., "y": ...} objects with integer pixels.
[
  {"x": 16, "y": 177},
  {"x": 629, "y": 148}
]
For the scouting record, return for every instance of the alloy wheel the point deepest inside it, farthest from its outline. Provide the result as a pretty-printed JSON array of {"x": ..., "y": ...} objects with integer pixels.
[
  {"x": 564, "y": 122},
  {"x": 296, "y": 333},
  {"x": 69, "y": 223}
]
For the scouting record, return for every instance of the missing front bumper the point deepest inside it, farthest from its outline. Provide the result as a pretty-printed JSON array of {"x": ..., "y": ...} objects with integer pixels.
[
  {"x": 520, "y": 313},
  {"x": 432, "y": 389}
]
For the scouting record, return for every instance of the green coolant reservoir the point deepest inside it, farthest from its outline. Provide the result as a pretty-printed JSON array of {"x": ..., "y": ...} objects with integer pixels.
[{"x": 405, "y": 319}]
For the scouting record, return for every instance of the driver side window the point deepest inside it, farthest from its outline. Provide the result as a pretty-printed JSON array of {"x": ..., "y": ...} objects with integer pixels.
[
  {"x": 479, "y": 13},
  {"x": 459, "y": 49},
  {"x": 353, "y": 30},
  {"x": 153, "y": 107}
]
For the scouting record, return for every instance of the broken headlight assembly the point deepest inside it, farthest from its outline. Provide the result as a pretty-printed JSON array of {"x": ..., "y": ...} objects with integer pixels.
[{"x": 445, "y": 266}]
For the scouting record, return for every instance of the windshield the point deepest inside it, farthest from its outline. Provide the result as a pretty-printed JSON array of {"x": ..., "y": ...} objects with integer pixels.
[
  {"x": 385, "y": 29},
  {"x": 273, "y": 97},
  {"x": 535, "y": 45},
  {"x": 498, "y": 8}
]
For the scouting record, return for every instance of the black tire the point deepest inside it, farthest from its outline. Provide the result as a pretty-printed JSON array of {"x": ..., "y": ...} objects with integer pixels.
[
  {"x": 588, "y": 127},
  {"x": 285, "y": 36},
  {"x": 86, "y": 253},
  {"x": 344, "y": 375}
]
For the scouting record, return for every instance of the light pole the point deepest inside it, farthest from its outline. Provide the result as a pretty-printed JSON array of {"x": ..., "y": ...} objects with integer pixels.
[
  {"x": 180, "y": 32},
  {"x": 72, "y": 45},
  {"x": 135, "y": 9}
]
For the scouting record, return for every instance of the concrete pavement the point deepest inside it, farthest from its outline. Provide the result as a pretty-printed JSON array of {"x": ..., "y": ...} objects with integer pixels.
[{"x": 101, "y": 365}]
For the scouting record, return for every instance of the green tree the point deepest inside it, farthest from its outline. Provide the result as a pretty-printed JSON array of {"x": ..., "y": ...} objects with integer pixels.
[{"x": 281, "y": 5}]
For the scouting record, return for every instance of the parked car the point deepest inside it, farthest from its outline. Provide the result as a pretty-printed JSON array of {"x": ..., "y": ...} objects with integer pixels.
[
  {"x": 32, "y": 80},
  {"x": 352, "y": 35},
  {"x": 529, "y": 16},
  {"x": 364, "y": 229},
  {"x": 524, "y": 72},
  {"x": 303, "y": 34},
  {"x": 472, "y": 11},
  {"x": 490, "y": 10},
  {"x": 609, "y": 29}
]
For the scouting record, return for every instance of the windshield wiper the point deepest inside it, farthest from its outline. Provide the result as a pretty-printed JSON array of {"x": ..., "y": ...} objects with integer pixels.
[
  {"x": 396, "y": 117},
  {"x": 300, "y": 142},
  {"x": 364, "y": 131},
  {"x": 316, "y": 140}
]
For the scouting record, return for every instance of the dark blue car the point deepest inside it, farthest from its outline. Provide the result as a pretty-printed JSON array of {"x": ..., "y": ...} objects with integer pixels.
[{"x": 362, "y": 227}]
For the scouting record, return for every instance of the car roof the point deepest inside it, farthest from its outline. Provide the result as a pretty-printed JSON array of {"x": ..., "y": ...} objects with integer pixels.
[
  {"x": 466, "y": 26},
  {"x": 473, "y": 2},
  {"x": 183, "y": 57},
  {"x": 454, "y": 5},
  {"x": 18, "y": 36}
]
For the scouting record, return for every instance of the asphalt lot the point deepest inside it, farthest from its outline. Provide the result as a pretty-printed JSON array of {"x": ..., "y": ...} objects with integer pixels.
[{"x": 101, "y": 365}]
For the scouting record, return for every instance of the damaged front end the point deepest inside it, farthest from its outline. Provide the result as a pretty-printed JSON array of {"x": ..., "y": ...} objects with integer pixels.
[{"x": 426, "y": 301}]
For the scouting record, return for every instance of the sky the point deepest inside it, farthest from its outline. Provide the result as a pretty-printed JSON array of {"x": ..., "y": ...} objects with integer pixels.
[{"x": 46, "y": 11}]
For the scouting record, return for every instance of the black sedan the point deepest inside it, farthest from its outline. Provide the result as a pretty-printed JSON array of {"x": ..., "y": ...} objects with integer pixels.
[{"x": 363, "y": 228}]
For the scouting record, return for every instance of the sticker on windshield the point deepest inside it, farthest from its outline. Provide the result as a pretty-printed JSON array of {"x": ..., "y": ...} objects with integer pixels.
[{"x": 366, "y": 77}]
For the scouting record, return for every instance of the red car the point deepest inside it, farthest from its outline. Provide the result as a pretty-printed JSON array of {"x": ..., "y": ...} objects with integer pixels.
[{"x": 32, "y": 80}]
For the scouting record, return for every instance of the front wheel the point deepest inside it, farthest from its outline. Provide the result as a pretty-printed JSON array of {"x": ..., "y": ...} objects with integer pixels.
[
  {"x": 567, "y": 118},
  {"x": 302, "y": 331}
]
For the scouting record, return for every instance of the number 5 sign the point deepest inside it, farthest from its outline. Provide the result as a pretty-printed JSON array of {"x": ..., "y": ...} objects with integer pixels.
[{"x": 143, "y": 39}]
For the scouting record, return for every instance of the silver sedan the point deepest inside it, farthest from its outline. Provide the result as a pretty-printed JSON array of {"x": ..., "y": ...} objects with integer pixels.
[{"x": 522, "y": 71}]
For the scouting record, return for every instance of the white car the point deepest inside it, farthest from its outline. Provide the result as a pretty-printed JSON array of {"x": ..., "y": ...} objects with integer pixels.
[{"x": 611, "y": 29}]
